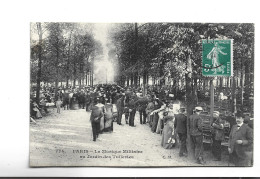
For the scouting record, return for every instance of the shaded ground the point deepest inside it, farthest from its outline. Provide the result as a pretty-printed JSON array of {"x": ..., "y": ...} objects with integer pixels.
[{"x": 66, "y": 140}]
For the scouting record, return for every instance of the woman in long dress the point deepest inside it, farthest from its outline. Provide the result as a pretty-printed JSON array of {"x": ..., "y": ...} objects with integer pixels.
[
  {"x": 149, "y": 109},
  {"x": 214, "y": 55},
  {"x": 168, "y": 138},
  {"x": 102, "y": 120},
  {"x": 160, "y": 124},
  {"x": 108, "y": 118},
  {"x": 158, "y": 106},
  {"x": 36, "y": 111}
]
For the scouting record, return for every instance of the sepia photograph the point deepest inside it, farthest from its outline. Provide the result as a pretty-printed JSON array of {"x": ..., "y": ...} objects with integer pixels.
[{"x": 141, "y": 94}]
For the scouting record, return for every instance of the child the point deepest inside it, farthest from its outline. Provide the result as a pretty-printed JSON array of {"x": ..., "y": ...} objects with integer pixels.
[{"x": 58, "y": 104}]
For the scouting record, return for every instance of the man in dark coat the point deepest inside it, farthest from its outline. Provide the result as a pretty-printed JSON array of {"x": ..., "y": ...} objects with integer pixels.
[
  {"x": 132, "y": 111},
  {"x": 142, "y": 104},
  {"x": 95, "y": 117},
  {"x": 196, "y": 135},
  {"x": 240, "y": 142},
  {"x": 82, "y": 100},
  {"x": 180, "y": 125},
  {"x": 113, "y": 97},
  {"x": 217, "y": 135},
  {"x": 66, "y": 100},
  {"x": 126, "y": 106},
  {"x": 120, "y": 109},
  {"x": 87, "y": 100}
]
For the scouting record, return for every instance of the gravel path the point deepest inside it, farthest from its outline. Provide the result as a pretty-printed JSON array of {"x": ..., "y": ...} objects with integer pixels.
[{"x": 66, "y": 140}]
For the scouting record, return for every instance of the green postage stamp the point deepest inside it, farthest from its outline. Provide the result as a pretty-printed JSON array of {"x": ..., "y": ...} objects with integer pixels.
[{"x": 217, "y": 57}]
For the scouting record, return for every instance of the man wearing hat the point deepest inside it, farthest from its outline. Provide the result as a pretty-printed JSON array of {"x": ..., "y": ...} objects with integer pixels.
[
  {"x": 132, "y": 110},
  {"x": 196, "y": 135},
  {"x": 217, "y": 135},
  {"x": 180, "y": 124},
  {"x": 240, "y": 145},
  {"x": 142, "y": 104},
  {"x": 120, "y": 108}
]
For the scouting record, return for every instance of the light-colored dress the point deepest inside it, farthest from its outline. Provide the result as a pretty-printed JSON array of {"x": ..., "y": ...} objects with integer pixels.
[
  {"x": 108, "y": 117},
  {"x": 37, "y": 111},
  {"x": 102, "y": 121},
  {"x": 168, "y": 138},
  {"x": 160, "y": 122}
]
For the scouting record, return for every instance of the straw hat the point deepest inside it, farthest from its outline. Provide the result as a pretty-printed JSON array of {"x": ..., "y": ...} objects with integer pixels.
[{"x": 198, "y": 108}]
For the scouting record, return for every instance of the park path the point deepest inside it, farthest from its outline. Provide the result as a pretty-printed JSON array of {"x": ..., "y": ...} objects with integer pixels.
[{"x": 66, "y": 140}]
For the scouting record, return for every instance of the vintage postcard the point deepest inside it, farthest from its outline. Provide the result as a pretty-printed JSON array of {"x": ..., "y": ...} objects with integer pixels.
[{"x": 141, "y": 94}]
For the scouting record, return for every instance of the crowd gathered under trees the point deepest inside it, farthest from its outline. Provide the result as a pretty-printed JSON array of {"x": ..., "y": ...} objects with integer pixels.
[
  {"x": 159, "y": 108},
  {"x": 156, "y": 57}
]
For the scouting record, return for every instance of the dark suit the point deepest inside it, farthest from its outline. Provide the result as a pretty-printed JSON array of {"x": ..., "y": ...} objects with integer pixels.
[
  {"x": 180, "y": 125},
  {"x": 132, "y": 108},
  {"x": 120, "y": 109},
  {"x": 241, "y": 153},
  {"x": 195, "y": 129},
  {"x": 87, "y": 101},
  {"x": 217, "y": 136},
  {"x": 97, "y": 112},
  {"x": 142, "y": 104}
]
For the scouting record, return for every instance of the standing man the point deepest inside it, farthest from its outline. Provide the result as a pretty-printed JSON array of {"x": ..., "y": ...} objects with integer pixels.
[
  {"x": 126, "y": 108},
  {"x": 120, "y": 109},
  {"x": 217, "y": 135},
  {"x": 180, "y": 125},
  {"x": 241, "y": 143},
  {"x": 97, "y": 112},
  {"x": 87, "y": 100},
  {"x": 148, "y": 110},
  {"x": 142, "y": 104},
  {"x": 82, "y": 99},
  {"x": 195, "y": 130},
  {"x": 70, "y": 99},
  {"x": 132, "y": 111}
]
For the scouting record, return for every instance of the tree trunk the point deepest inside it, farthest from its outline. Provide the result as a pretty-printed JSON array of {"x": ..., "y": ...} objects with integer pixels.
[
  {"x": 80, "y": 81},
  {"x": 194, "y": 91},
  {"x": 247, "y": 79},
  {"x": 242, "y": 83},
  {"x": 221, "y": 82},
  {"x": 161, "y": 73},
  {"x": 132, "y": 79},
  {"x": 123, "y": 81},
  {"x": 136, "y": 56},
  {"x": 233, "y": 92},
  {"x": 127, "y": 81},
  {"x": 74, "y": 74},
  {"x": 57, "y": 75},
  {"x": 189, "y": 102},
  {"x": 92, "y": 78},
  {"x": 68, "y": 63},
  {"x": 211, "y": 100},
  {"x": 135, "y": 79},
  {"x": 228, "y": 80},
  {"x": 39, "y": 72},
  {"x": 204, "y": 85},
  {"x": 144, "y": 82}
]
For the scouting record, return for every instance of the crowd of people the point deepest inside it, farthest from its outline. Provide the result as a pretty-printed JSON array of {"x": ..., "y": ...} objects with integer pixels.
[{"x": 164, "y": 113}]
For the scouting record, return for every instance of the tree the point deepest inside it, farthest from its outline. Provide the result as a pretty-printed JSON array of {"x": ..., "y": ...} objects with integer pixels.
[
  {"x": 56, "y": 44},
  {"x": 37, "y": 50}
]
